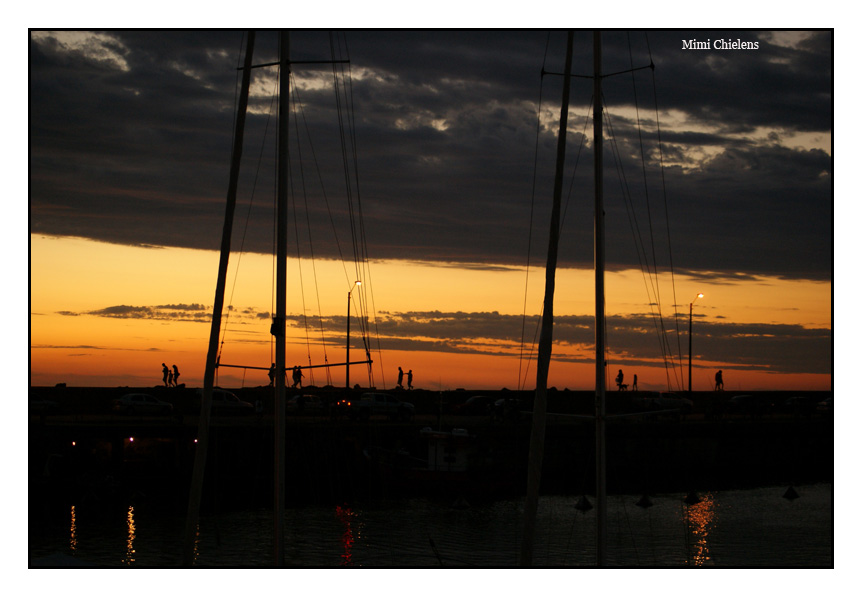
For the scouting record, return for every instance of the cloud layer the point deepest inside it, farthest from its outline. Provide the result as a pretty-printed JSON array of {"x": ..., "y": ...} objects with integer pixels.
[{"x": 130, "y": 137}]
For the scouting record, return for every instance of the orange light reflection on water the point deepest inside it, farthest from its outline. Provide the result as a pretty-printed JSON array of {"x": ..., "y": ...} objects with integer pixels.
[
  {"x": 345, "y": 515},
  {"x": 130, "y": 538},
  {"x": 699, "y": 522},
  {"x": 73, "y": 533}
]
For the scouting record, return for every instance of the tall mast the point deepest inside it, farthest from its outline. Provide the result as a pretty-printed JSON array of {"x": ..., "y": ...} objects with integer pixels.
[
  {"x": 537, "y": 434},
  {"x": 599, "y": 275},
  {"x": 215, "y": 324},
  {"x": 281, "y": 295}
]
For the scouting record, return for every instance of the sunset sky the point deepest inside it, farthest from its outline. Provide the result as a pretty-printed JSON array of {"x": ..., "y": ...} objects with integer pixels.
[{"x": 130, "y": 136}]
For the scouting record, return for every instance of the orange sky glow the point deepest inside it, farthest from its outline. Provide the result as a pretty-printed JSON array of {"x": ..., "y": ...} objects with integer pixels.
[{"x": 126, "y": 310}]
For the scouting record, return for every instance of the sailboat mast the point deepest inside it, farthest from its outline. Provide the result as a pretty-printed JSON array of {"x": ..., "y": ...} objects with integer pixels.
[
  {"x": 216, "y": 322},
  {"x": 599, "y": 274},
  {"x": 281, "y": 295},
  {"x": 537, "y": 434}
]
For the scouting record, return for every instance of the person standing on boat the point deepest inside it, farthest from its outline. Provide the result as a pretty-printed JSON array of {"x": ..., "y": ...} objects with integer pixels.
[
  {"x": 401, "y": 377},
  {"x": 176, "y": 374},
  {"x": 619, "y": 379},
  {"x": 165, "y": 372},
  {"x": 410, "y": 379},
  {"x": 720, "y": 385}
]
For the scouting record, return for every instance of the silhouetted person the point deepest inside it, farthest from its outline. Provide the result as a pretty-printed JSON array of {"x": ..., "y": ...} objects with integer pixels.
[
  {"x": 619, "y": 379},
  {"x": 720, "y": 385},
  {"x": 410, "y": 379},
  {"x": 298, "y": 377},
  {"x": 165, "y": 372},
  {"x": 272, "y": 375},
  {"x": 170, "y": 378},
  {"x": 176, "y": 374},
  {"x": 635, "y": 382},
  {"x": 401, "y": 377}
]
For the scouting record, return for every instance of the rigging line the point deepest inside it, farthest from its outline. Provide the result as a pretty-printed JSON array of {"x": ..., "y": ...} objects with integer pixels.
[
  {"x": 634, "y": 228},
  {"x": 240, "y": 251},
  {"x": 345, "y": 165},
  {"x": 344, "y": 113},
  {"x": 300, "y": 110},
  {"x": 302, "y": 180},
  {"x": 237, "y": 80},
  {"x": 577, "y": 158},
  {"x": 646, "y": 188},
  {"x": 616, "y": 154},
  {"x": 665, "y": 202},
  {"x": 369, "y": 287},
  {"x": 526, "y": 366}
]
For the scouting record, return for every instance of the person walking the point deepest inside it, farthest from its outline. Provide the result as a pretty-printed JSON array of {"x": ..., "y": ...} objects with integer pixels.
[
  {"x": 720, "y": 385},
  {"x": 165, "y": 372},
  {"x": 619, "y": 379},
  {"x": 401, "y": 377},
  {"x": 176, "y": 374},
  {"x": 298, "y": 377}
]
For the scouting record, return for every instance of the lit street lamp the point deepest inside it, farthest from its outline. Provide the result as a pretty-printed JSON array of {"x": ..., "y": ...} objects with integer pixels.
[
  {"x": 697, "y": 297},
  {"x": 348, "y": 342}
]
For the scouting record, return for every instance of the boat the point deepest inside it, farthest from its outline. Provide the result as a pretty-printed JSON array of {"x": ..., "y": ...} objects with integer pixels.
[{"x": 452, "y": 464}]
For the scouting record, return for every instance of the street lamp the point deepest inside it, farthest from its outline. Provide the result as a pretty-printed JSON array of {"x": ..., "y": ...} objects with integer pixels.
[
  {"x": 348, "y": 341},
  {"x": 697, "y": 297}
]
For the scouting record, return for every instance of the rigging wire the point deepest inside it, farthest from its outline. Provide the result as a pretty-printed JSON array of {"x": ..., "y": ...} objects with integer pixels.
[
  {"x": 644, "y": 263},
  {"x": 342, "y": 84},
  {"x": 302, "y": 183},
  {"x": 361, "y": 259},
  {"x": 665, "y": 202},
  {"x": 520, "y": 385}
]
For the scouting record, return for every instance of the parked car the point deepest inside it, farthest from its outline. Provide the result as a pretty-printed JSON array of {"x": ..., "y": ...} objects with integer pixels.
[
  {"x": 507, "y": 410},
  {"x": 378, "y": 403},
  {"x": 306, "y": 404},
  {"x": 750, "y": 404},
  {"x": 655, "y": 401},
  {"x": 227, "y": 403},
  {"x": 42, "y": 406},
  {"x": 140, "y": 403},
  {"x": 825, "y": 406},
  {"x": 803, "y": 405},
  {"x": 478, "y": 405}
]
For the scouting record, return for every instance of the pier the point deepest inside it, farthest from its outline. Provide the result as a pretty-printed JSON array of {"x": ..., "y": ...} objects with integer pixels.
[{"x": 82, "y": 450}]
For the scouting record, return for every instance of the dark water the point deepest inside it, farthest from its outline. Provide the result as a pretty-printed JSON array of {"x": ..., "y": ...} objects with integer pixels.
[{"x": 738, "y": 528}]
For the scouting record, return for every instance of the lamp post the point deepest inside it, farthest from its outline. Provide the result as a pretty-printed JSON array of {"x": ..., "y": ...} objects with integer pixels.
[
  {"x": 348, "y": 339},
  {"x": 697, "y": 297}
]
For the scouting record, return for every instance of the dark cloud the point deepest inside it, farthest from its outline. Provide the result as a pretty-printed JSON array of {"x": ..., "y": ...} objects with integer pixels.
[
  {"x": 634, "y": 340},
  {"x": 187, "y": 312},
  {"x": 130, "y": 136}
]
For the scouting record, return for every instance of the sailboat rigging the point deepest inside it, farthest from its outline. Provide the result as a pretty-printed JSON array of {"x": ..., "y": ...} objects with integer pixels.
[
  {"x": 278, "y": 327},
  {"x": 545, "y": 345}
]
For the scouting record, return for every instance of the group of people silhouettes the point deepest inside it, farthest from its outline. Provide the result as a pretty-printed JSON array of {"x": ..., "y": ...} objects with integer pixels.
[
  {"x": 400, "y": 383},
  {"x": 296, "y": 376},
  {"x": 720, "y": 385},
  {"x": 169, "y": 377}
]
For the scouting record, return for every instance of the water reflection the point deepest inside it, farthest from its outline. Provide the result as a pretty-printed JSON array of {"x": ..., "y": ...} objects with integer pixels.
[
  {"x": 700, "y": 519},
  {"x": 73, "y": 533},
  {"x": 728, "y": 529},
  {"x": 345, "y": 515},
  {"x": 130, "y": 537}
]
